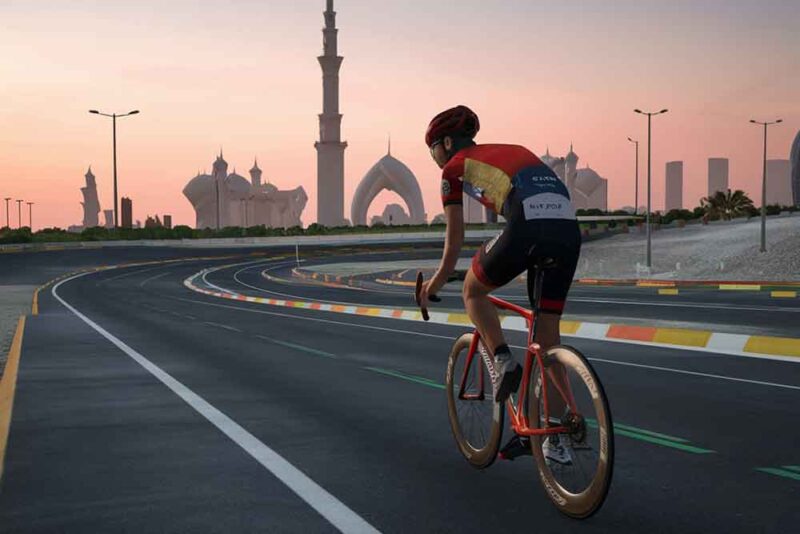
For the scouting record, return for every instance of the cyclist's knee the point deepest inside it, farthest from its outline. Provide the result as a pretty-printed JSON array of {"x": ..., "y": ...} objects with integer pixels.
[{"x": 473, "y": 287}]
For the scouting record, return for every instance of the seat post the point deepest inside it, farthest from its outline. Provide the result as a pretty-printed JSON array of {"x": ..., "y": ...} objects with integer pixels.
[{"x": 536, "y": 297}]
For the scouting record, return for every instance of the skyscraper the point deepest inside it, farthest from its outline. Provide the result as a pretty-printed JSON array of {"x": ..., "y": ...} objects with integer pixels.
[
  {"x": 330, "y": 147},
  {"x": 674, "y": 186},
  {"x": 794, "y": 157},
  {"x": 717, "y": 175},
  {"x": 167, "y": 221},
  {"x": 779, "y": 182},
  {"x": 127, "y": 212}
]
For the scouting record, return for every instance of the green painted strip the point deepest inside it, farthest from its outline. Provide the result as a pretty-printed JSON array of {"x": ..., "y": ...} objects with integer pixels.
[
  {"x": 618, "y": 426},
  {"x": 659, "y": 441},
  {"x": 792, "y": 467},
  {"x": 411, "y": 378},
  {"x": 779, "y": 472},
  {"x": 301, "y": 347}
]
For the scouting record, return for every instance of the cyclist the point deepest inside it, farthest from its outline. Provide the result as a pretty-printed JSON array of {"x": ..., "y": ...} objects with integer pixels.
[{"x": 513, "y": 182}]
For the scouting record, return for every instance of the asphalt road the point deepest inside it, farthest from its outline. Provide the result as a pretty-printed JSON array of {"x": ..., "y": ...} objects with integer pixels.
[{"x": 175, "y": 411}]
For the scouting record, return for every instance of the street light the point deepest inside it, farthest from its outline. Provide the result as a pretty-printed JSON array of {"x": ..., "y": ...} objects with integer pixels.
[
  {"x": 649, "y": 118},
  {"x": 19, "y": 213},
  {"x": 636, "y": 204},
  {"x": 30, "y": 215},
  {"x": 764, "y": 186},
  {"x": 114, "y": 130},
  {"x": 8, "y": 223}
]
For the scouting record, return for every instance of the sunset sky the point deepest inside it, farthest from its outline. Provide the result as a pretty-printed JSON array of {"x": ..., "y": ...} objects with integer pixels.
[{"x": 243, "y": 75}]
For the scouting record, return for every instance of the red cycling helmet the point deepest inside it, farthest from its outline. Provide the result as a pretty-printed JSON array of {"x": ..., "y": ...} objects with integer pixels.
[{"x": 458, "y": 121}]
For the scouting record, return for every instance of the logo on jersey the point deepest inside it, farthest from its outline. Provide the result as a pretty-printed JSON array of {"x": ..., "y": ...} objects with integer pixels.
[{"x": 445, "y": 188}]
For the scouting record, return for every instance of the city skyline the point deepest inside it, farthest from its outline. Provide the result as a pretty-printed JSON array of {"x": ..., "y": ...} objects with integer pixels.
[{"x": 200, "y": 90}]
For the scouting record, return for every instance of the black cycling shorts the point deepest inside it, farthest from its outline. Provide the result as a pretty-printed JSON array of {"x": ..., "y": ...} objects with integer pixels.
[{"x": 504, "y": 257}]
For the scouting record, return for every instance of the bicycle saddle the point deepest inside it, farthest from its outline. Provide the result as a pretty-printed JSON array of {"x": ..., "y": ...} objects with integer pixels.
[{"x": 547, "y": 255}]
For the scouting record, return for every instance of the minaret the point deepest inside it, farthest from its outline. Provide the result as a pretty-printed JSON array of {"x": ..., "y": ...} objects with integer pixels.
[
  {"x": 255, "y": 174},
  {"x": 330, "y": 148}
]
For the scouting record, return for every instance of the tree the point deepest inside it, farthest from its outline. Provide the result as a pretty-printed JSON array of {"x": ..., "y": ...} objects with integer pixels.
[{"x": 727, "y": 205}]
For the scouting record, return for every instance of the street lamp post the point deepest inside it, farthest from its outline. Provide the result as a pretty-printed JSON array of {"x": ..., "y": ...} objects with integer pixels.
[
  {"x": 114, "y": 137},
  {"x": 636, "y": 203},
  {"x": 764, "y": 185},
  {"x": 30, "y": 215},
  {"x": 19, "y": 213},
  {"x": 8, "y": 219},
  {"x": 649, "y": 166}
]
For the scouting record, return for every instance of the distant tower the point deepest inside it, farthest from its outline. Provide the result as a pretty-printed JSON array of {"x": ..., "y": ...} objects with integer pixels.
[
  {"x": 127, "y": 212},
  {"x": 673, "y": 196},
  {"x": 571, "y": 169},
  {"x": 330, "y": 147},
  {"x": 91, "y": 204},
  {"x": 717, "y": 175},
  {"x": 219, "y": 174},
  {"x": 255, "y": 174}
]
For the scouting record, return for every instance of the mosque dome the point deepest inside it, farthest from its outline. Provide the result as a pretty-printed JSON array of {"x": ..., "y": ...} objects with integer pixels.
[
  {"x": 392, "y": 174},
  {"x": 198, "y": 186},
  {"x": 587, "y": 181},
  {"x": 238, "y": 187}
]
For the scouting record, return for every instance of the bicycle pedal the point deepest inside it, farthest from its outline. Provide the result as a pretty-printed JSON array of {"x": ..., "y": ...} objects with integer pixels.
[{"x": 515, "y": 448}]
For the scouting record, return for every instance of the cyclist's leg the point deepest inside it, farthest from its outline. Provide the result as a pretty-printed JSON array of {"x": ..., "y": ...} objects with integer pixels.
[
  {"x": 555, "y": 288},
  {"x": 481, "y": 311},
  {"x": 497, "y": 262}
]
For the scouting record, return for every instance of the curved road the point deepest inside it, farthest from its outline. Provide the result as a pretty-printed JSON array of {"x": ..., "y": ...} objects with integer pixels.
[{"x": 144, "y": 406}]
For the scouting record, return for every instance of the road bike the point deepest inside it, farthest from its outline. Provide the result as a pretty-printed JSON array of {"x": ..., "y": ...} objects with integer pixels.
[{"x": 560, "y": 395}]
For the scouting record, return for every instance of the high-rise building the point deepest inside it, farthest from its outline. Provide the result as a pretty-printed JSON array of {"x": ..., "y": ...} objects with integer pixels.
[
  {"x": 167, "y": 221},
  {"x": 779, "y": 182},
  {"x": 126, "y": 207},
  {"x": 794, "y": 157},
  {"x": 717, "y": 175},
  {"x": 473, "y": 211},
  {"x": 673, "y": 198},
  {"x": 330, "y": 147}
]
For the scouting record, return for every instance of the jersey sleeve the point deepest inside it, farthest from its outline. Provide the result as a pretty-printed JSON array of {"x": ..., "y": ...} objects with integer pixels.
[{"x": 452, "y": 183}]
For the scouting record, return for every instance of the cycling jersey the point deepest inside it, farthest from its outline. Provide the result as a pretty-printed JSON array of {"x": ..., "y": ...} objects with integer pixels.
[
  {"x": 497, "y": 175},
  {"x": 513, "y": 182}
]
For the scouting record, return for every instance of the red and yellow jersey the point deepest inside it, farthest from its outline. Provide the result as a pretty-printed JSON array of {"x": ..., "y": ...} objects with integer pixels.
[{"x": 489, "y": 174}]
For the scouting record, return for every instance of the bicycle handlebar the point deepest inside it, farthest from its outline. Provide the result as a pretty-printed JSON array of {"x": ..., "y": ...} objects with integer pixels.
[{"x": 456, "y": 275}]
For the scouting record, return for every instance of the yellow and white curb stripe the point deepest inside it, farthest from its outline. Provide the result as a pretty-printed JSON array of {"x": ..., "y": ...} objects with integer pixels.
[{"x": 777, "y": 348}]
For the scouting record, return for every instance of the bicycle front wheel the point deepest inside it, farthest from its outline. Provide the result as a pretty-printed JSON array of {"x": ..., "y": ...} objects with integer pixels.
[
  {"x": 575, "y": 466},
  {"x": 475, "y": 418}
]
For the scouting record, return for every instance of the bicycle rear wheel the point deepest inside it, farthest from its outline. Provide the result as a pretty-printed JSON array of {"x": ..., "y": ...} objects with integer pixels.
[
  {"x": 475, "y": 418},
  {"x": 577, "y": 401}
]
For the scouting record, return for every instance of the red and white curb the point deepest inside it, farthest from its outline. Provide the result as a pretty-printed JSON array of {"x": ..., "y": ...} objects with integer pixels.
[{"x": 774, "y": 348}]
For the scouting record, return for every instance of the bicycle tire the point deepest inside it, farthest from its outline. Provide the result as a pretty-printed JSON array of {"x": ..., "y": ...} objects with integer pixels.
[
  {"x": 584, "y": 503},
  {"x": 479, "y": 455}
]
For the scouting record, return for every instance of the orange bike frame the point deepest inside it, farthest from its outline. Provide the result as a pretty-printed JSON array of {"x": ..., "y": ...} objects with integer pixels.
[{"x": 519, "y": 419}]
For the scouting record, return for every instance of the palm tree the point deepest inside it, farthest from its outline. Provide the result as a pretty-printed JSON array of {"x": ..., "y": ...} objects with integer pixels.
[{"x": 728, "y": 204}]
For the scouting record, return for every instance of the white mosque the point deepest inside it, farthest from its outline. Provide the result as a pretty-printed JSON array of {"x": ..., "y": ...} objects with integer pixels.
[
  {"x": 587, "y": 189},
  {"x": 221, "y": 199}
]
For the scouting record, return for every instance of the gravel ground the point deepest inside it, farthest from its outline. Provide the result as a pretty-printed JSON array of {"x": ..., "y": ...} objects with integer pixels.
[
  {"x": 14, "y": 301},
  {"x": 718, "y": 251}
]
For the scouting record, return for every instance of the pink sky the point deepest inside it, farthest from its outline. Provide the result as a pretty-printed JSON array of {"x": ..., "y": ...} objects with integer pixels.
[{"x": 243, "y": 75}]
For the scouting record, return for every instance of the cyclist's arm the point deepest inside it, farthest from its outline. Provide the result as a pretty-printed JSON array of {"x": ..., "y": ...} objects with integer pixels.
[{"x": 453, "y": 241}]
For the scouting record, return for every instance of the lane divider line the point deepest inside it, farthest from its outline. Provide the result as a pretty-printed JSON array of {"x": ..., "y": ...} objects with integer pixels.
[
  {"x": 328, "y": 506},
  {"x": 778, "y": 348},
  {"x": 785, "y": 473},
  {"x": 451, "y": 338},
  {"x": 298, "y": 347},
  {"x": 8, "y": 386}
]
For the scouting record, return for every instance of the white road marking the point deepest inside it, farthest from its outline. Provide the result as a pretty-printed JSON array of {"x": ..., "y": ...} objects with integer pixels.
[
  {"x": 220, "y": 325},
  {"x": 143, "y": 282},
  {"x": 696, "y": 373},
  {"x": 328, "y": 506},
  {"x": 425, "y": 334}
]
